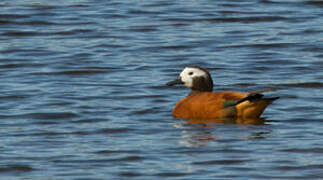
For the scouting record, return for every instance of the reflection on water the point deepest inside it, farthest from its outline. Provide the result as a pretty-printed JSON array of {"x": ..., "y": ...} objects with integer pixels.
[
  {"x": 236, "y": 120},
  {"x": 197, "y": 138},
  {"x": 199, "y": 132}
]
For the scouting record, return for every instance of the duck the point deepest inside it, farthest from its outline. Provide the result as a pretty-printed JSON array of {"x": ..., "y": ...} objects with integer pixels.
[{"x": 202, "y": 103}]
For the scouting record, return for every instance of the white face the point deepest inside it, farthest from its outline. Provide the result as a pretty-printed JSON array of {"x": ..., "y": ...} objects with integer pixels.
[{"x": 189, "y": 73}]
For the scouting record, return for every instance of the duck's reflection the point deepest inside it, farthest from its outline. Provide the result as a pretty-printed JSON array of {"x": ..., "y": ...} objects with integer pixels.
[
  {"x": 253, "y": 121},
  {"x": 199, "y": 132}
]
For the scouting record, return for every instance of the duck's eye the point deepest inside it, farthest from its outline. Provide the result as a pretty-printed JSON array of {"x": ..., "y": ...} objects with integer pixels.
[{"x": 190, "y": 73}]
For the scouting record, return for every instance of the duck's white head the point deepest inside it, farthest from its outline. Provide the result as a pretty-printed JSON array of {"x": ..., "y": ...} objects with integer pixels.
[{"x": 195, "y": 78}]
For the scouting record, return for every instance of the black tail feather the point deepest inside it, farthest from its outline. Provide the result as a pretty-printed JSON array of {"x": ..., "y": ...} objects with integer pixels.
[
  {"x": 251, "y": 97},
  {"x": 254, "y": 97},
  {"x": 272, "y": 99}
]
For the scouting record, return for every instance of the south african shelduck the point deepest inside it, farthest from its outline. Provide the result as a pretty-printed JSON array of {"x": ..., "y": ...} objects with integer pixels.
[{"x": 202, "y": 103}]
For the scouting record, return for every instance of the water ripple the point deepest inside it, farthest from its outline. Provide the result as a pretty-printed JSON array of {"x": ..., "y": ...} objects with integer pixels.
[{"x": 16, "y": 168}]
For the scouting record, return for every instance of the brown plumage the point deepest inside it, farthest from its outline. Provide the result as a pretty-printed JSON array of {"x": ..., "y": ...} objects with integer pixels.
[{"x": 202, "y": 103}]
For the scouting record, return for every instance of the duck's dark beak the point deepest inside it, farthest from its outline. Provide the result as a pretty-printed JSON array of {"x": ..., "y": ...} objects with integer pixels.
[{"x": 176, "y": 81}]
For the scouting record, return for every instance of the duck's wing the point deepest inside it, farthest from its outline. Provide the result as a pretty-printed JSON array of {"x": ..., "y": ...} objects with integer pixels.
[
  {"x": 234, "y": 98},
  {"x": 221, "y": 104},
  {"x": 206, "y": 104},
  {"x": 254, "y": 104}
]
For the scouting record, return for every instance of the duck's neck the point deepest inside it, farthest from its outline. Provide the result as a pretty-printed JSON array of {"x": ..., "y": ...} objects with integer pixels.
[{"x": 193, "y": 92}]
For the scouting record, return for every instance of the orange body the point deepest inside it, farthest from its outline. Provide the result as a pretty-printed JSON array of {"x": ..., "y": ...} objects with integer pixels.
[{"x": 210, "y": 105}]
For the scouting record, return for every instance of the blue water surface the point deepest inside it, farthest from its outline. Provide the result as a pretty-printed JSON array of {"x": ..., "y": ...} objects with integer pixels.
[{"x": 83, "y": 92}]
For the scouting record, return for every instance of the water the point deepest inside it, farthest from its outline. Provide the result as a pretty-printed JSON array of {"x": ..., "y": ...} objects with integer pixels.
[{"x": 83, "y": 94}]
